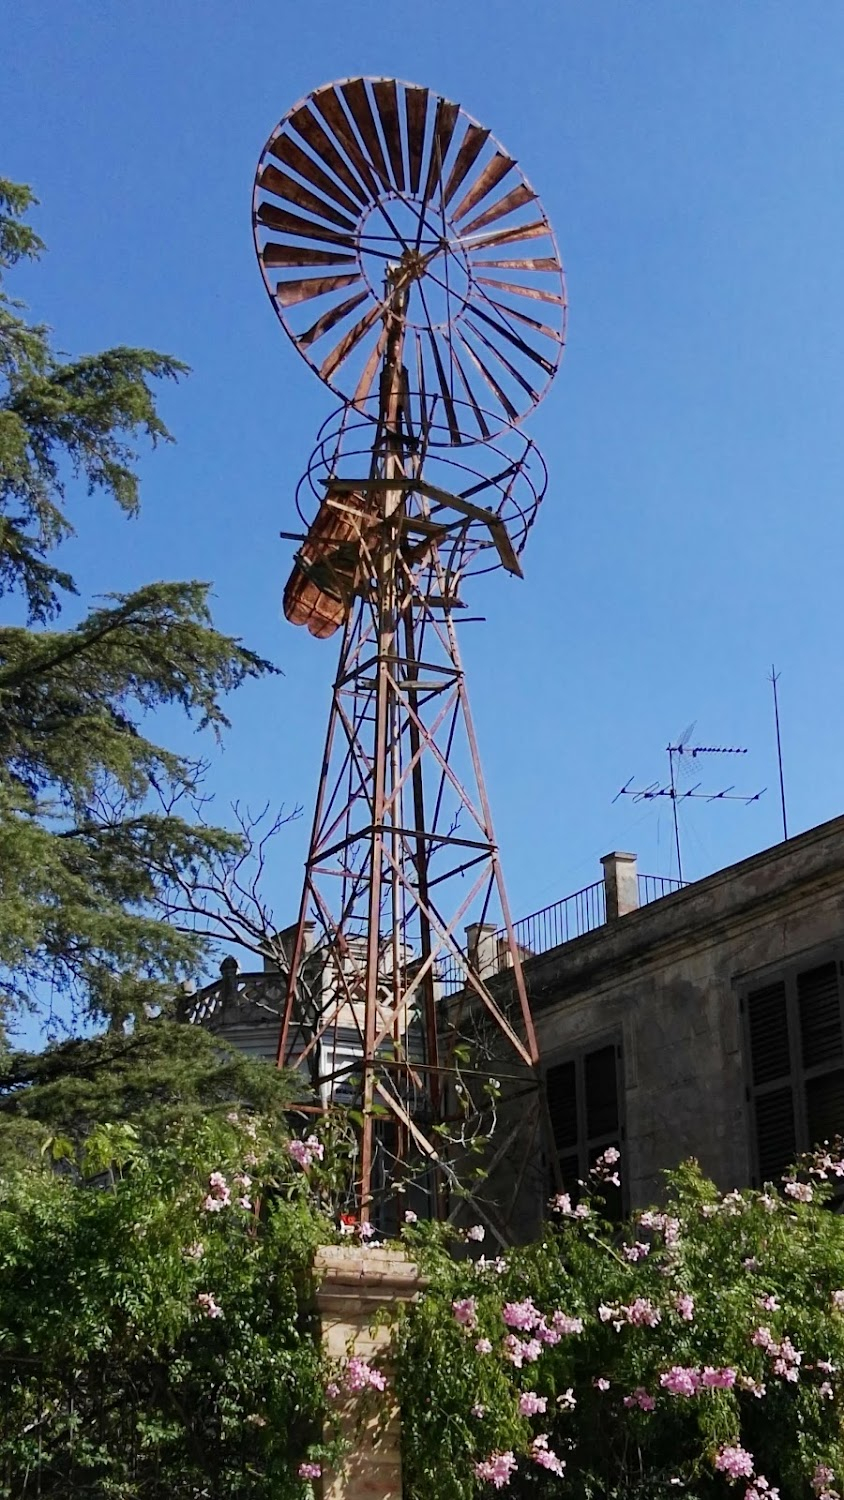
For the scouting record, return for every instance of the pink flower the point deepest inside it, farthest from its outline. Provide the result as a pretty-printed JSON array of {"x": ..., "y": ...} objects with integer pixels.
[
  {"x": 530, "y": 1404},
  {"x": 547, "y": 1335},
  {"x": 755, "y": 1387},
  {"x": 640, "y": 1398},
  {"x": 219, "y": 1194},
  {"x": 332, "y": 1390},
  {"x": 477, "y": 1232},
  {"x": 838, "y": 1301},
  {"x": 561, "y": 1204},
  {"x": 734, "y": 1461},
  {"x": 685, "y": 1306},
  {"x": 209, "y": 1305},
  {"x": 565, "y": 1324},
  {"x": 680, "y": 1381},
  {"x": 520, "y": 1350},
  {"x": 825, "y": 1391},
  {"x": 801, "y": 1191},
  {"x": 601, "y": 1384},
  {"x": 359, "y": 1375},
  {"x": 497, "y": 1469},
  {"x": 610, "y": 1156},
  {"x": 605, "y": 1312},
  {"x": 568, "y": 1400},
  {"x": 545, "y": 1456},
  {"x": 762, "y": 1338},
  {"x": 769, "y": 1303},
  {"x": 303, "y": 1152},
  {"x": 478, "y": 1410},
  {"x": 244, "y": 1202},
  {"x": 827, "y": 1366},
  {"x": 637, "y": 1251},
  {"x": 465, "y": 1310},
  {"x": 242, "y": 1180},
  {"x": 366, "y": 1230},
  {"x": 823, "y": 1478},
  {"x": 410, "y": 1217},
  {"x": 483, "y": 1346},
  {"x": 194, "y": 1251},
  {"x": 642, "y": 1313},
  {"x": 310, "y": 1471},
  {"x": 718, "y": 1380},
  {"x": 522, "y": 1315}
]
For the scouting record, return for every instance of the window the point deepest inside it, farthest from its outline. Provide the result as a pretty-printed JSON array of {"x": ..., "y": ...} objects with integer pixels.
[
  {"x": 585, "y": 1097},
  {"x": 794, "y": 1047}
]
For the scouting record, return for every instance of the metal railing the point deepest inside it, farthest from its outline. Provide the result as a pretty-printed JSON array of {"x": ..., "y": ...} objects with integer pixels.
[
  {"x": 654, "y": 887},
  {"x": 561, "y": 921}
]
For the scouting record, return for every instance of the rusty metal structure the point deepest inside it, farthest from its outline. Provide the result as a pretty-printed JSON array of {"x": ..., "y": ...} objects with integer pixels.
[{"x": 414, "y": 269}]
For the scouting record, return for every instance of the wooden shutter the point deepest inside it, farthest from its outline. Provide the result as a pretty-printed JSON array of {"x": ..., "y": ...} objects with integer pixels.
[
  {"x": 561, "y": 1083},
  {"x": 819, "y": 1009},
  {"x": 601, "y": 1087},
  {"x": 771, "y": 1085}
]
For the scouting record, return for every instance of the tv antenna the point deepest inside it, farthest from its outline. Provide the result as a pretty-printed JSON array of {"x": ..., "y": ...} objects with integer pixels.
[
  {"x": 681, "y": 760},
  {"x": 414, "y": 269}
]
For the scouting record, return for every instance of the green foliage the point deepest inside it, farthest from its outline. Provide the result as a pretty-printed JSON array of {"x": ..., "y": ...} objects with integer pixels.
[
  {"x": 728, "y": 1255},
  {"x": 159, "y": 1075},
  {"x": 120, "y": 1379},
  {"x": 98, "y": 823}
]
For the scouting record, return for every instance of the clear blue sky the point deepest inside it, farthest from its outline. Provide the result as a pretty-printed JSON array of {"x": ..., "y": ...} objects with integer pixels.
[{"x": 690, "y": 156}]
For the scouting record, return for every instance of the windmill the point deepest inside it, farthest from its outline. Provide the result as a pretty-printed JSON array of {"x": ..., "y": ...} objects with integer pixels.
[{"x": 414, "y": 269}]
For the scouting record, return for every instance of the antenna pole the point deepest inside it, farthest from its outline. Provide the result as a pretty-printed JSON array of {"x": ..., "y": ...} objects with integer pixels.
[
  {"x": 774, "y": 679},
  {"x": 674, "y": 809}
]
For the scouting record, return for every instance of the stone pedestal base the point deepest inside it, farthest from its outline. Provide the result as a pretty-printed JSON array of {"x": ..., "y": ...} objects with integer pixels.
[{"x": 354, "y": 1284}]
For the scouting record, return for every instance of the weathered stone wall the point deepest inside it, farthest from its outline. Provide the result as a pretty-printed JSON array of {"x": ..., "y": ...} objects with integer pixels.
[{"x": 665, "y": 978}]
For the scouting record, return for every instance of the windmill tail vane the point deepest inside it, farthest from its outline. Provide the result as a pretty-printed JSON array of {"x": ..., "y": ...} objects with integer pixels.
[{"x": 414, "y": 269}]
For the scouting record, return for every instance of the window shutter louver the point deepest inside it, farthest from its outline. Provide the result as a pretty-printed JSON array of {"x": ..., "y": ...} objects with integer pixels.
[
  {"x": 825, "y": 1106},
  {"x": 776, "y": 1136},
  {"x": 561, "y": 1084},
  {"x": 767, "y": 1018},
  {"x": 601, "y": 1080},
  {"x": 820, "y": 1015}
]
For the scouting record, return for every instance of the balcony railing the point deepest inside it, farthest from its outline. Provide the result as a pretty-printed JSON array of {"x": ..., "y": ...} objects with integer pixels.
[
  {"x": 558, "y": 923},
  {"x": 574, "y": 915}
]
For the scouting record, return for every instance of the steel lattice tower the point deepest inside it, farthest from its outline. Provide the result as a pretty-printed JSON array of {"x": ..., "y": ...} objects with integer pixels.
[{"x": 441, "y": 322}]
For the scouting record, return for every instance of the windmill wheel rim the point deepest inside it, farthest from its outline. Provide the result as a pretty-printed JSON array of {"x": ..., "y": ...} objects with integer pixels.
[{"x": 370, "y": 173}]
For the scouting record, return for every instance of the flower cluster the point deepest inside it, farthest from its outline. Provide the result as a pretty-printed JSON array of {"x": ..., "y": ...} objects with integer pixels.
[
  {"x": 304, "y": 1152},
  {"x": 219, "y": 1194},
  {"x": 530, "y": 1404},
  {"x": 543, "y": 1455},
  {"x": 209, "y": 1305},
  {"x": 785, "y": 1359},
  {"x": 688, "y": 1380},
  {"x": 562, "y": 1204},
  {"x": 360, "y": 1375},
  {"x": 310, "y": 1471},
  {"x": 641, "y": 1313},
  {"x": 465, "y": 1310},
  {"x": 497, "y": 1469}
]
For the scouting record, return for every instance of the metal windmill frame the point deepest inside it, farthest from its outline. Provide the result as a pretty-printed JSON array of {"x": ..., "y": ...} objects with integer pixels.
[{"x": 420, "y": 480}]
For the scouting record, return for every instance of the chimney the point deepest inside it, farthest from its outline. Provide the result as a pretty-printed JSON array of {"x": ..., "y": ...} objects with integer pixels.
[
  {"x": 621, "y": 884},
  {"x": 482, "y": 948}
]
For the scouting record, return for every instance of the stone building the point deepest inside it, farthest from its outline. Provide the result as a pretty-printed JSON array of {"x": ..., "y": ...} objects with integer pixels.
[
  {"x": 703, "y": 1020},
  {"x": 706, "y": 1023}
]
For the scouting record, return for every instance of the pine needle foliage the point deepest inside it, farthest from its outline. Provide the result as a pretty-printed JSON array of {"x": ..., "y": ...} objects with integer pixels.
[{"x": 93, "y": 811}]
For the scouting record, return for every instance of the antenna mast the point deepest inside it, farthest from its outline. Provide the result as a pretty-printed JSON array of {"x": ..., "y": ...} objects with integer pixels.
[{"x": 676, "y": 753}]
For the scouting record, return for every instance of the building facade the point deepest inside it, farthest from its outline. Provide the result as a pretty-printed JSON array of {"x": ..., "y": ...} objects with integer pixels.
[{"x": 702, "y": 1021}]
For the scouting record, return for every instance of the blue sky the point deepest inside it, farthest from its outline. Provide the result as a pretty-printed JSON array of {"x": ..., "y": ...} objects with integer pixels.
[{"x": 690, "y": 158}]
